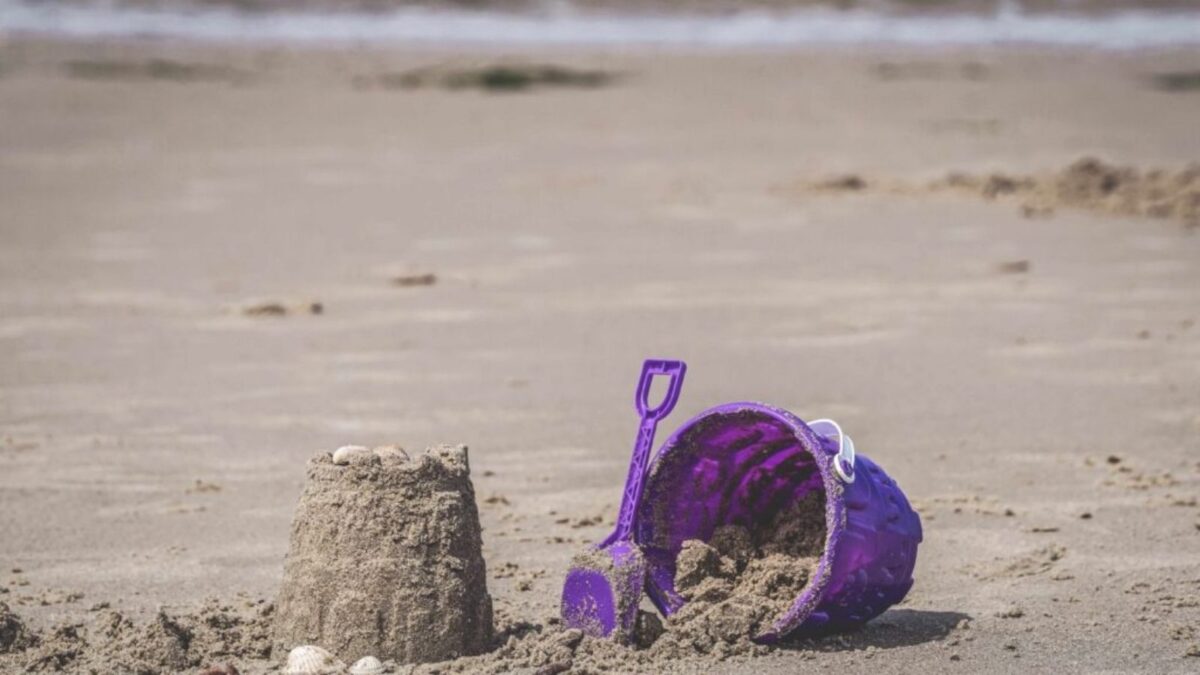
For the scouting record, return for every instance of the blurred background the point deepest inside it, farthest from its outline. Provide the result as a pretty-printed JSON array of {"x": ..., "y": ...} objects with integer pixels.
[
  {"x": 234, "y": 233},
  {"x": 1123, "y": 23}
]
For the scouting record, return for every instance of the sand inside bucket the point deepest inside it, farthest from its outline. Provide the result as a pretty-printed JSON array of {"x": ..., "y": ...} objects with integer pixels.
[{"x": 739, "y": 582}]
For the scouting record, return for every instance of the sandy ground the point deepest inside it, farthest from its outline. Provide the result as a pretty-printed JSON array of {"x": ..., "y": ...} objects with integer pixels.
[{"x": 572, "y": 233}]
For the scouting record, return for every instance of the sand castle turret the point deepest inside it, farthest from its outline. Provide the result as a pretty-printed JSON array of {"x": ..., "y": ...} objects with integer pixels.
[{"x": 385, "y": 559}]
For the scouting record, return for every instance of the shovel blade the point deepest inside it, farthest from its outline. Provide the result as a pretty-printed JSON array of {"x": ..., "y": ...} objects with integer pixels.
[{"x": 602, "y": 592}]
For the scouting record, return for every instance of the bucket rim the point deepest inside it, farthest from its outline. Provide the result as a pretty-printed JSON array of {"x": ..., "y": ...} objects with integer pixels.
[{"x": 823, "y": 454}]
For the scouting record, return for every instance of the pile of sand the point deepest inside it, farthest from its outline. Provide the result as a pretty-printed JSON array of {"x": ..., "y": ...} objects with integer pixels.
[
  {"x": 386, "y": 559},
  {"x": 1094, "y": 185},
  {"x": 732, "y": 594},
  {"x": 739, "y": 582},
  {"x": 13, "y": 635},
  {"x": 1087, "y": 184},
  {"x": 168, "y": 643}
]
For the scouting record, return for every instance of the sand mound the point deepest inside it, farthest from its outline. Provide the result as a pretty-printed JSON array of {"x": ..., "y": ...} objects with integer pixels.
[
  {"x": 1087, "y": 184},
  {"x": 13, "y": 635},
  {"x": 385, "y": 559},
  {"x": 1094, "y": 185},
  {"x": 168, "y": 643}
]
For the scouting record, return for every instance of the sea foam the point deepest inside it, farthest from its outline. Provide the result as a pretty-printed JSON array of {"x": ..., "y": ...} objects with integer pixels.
[{"x": 795, "y": 28}]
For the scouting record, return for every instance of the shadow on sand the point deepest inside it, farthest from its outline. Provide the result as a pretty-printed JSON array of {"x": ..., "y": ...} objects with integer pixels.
[{"x": 894, "y": 628}]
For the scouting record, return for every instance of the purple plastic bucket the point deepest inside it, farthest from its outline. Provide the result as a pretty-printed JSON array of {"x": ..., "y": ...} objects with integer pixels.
[{"x": 740, "y": 463}]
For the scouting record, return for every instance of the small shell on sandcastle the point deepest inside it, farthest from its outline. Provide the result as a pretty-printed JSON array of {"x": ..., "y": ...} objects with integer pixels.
[
  {"x": 367, "y": 665},
  {"x": 388, "y": 454},
  {"x": 311, "y": 660},
  {"x": 391, "y": 454},
  {"x": 385, "y": 558},
  {"x": 350, "y": 453}
]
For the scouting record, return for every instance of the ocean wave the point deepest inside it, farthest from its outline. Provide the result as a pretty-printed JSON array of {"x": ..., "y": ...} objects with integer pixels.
[{"x": 793, "y": 28}]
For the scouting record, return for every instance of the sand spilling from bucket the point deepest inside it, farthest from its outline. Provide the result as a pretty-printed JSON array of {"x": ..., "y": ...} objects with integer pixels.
[
  {"x": 170, "y": 642},
  {"x": 386, "y": 559},
  {"x": 737, "y": 584},
  {"x": 740, "y": 582}
]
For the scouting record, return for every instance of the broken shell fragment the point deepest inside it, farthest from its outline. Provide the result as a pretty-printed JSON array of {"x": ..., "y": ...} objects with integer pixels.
[
  {"x": 311, "y": 660},
  {"x": 349, "y": 453},
  {"x": 391, "y": 454},
  {"x": 367, "y": 665}
]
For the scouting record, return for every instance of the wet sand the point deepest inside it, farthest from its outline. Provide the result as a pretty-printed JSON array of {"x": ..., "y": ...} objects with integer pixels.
[{"x": 1031, "y": 382}]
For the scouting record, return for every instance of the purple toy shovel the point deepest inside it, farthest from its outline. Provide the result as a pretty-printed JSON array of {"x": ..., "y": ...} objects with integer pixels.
[{"x": 604, "y": 585}]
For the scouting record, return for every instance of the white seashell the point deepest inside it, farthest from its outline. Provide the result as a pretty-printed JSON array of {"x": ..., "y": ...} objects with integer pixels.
[
  {"x": 367, "y": 665},
  {"x": 311, "y": 660},
  {"x": 391, "y": 454},
  {"x": 349, "y": 453}
]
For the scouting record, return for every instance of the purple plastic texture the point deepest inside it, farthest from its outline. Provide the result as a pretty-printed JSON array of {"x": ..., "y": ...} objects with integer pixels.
[
  {"x": 600, "y": 597},
  {"x": 740, "y": 463}
]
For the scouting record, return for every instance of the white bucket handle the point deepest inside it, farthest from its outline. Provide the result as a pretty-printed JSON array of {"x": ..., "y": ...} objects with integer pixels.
[{"x": 843, "y": 464}]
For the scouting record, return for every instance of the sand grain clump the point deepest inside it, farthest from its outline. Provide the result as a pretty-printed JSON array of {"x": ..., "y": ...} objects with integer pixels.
[
  {"x": 739, "y": 583},
  {"x": 13, "y": 635}
]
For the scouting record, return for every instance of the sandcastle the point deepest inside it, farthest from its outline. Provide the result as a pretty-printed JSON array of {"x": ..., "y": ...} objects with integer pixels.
[{"x": 385, "y": 559}]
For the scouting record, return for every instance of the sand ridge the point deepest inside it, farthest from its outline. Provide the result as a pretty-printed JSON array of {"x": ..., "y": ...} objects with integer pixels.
[{"x": 1088, "y": 184}]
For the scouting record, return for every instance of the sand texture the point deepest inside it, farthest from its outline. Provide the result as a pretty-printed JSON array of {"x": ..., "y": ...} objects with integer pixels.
[
  {"x": 1088, "y": 184},
  {"x": 740, "y": 582},
  {"x": 1030, "y": 382},
  {"x": 14, "y": 637},
  {"x": 385, "y": 560},
  {"x": 167, "y": 642}
]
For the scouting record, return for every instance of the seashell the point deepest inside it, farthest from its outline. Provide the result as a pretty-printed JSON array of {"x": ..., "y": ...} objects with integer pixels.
[
  {"x": 391, "y": 454},
  {"x": 367, "y": 665},
  {"x": 311, "y": 660},
  {"x": 349, "y": 453}
]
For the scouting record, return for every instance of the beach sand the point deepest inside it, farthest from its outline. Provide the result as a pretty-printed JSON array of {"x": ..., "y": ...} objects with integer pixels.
[{"x": 1029, "y": 379}]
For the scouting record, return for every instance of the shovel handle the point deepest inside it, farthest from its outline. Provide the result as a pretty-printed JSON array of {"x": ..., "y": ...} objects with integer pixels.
[{"x": 645, "y": 438}]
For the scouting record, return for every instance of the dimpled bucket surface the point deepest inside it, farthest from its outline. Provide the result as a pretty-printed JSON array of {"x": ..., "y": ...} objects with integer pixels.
[{"x": 741, "y": 463}]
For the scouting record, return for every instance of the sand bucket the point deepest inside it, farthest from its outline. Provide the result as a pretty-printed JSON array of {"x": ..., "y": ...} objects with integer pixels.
[{"x": 743, "y": 463}]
